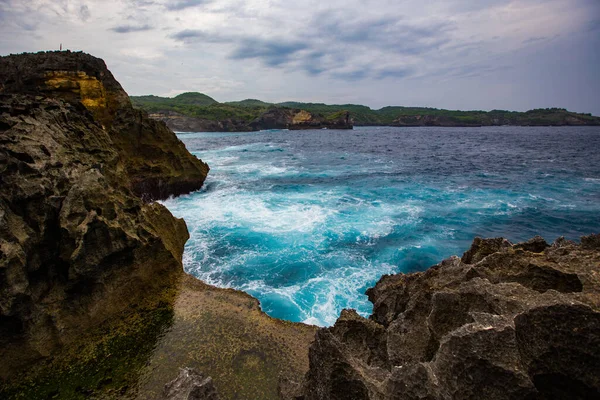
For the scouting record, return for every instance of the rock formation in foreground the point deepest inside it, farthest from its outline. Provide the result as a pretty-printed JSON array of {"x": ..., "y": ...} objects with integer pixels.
[
  {"x": 502, "y": 322},
  {"x": 77, "y": 246},
  {"x": 157, "y": 163},
  {"x": 94, "y": 302}
]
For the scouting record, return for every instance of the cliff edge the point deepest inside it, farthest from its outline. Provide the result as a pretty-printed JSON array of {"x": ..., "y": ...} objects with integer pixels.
[
  {"x": 503, "y": 322},
  {"x": 94, "y": 302},
  {"x": 157, "y": 163},
  {"x": 77, "y": 246}
]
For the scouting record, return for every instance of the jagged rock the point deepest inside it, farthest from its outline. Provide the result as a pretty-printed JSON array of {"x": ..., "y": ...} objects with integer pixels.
[
  {"x": 536, "y": 244},
  {"x": 77, "y": 246},
  {"x": 482, "y": 248},
  {"x": 190, "y": 385},
  {"x": 503, "y": 322},
  {"x": 156, "y": 161}
]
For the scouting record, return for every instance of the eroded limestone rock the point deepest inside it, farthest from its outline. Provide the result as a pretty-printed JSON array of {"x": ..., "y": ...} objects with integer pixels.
[
  {"x": 504, "y": 322},
  {"x": 157, "y": 163}
]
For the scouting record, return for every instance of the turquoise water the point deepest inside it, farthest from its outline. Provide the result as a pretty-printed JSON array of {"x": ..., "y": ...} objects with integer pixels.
[{"x": 306, "y": 221}]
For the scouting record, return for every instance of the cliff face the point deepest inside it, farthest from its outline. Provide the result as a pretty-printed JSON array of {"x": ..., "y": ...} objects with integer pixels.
[
  {"x": 94, "y": 302},
  {"x": 274, "y": 118},
  {"x": 182, "y": 123},
  {"x": 563, "y": 118},
  {"x": 157, "y": 163},
  {"x": 504, "y": 322},
  {"x": 76, "y": 245},
  {"x": 293, "y": 119},
  {"x": 432, "y": 120}
]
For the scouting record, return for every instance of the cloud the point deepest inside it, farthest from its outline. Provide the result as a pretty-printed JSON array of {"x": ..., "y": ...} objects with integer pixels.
[
  {"x": 196, "y": 35},
  {"x": 398, "y": 73},
  {"x": 130, "y": 28},
  {"x": 383, "y": 51},
  {"x": 183, "y": 4},
  {"x": 333, "y": 39},
  {"x": 271, "y": 52},
  {"x": 84, "y": 12}
]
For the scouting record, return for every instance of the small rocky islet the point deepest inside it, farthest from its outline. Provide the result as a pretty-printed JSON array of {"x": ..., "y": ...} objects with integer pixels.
[{"x": 94, "y": 302}]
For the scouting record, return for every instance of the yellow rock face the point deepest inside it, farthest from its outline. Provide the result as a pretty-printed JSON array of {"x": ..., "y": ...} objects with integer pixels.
[
  {"x": 302, "y": 117},
  {"x": 90, "y": 91}
]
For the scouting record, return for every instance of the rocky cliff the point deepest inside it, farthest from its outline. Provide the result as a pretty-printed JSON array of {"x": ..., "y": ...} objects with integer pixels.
[
  {"x": 272, "y": 118},
  {"x": 157, "y": 163},
  {"x": 182, "y": 123},
  {"x": 503, "y": 322},
  {"x": 434, "y": 120},
  {"x": 294, "y": 119},
  {"x": 94, "y": 302},
  {"x": 76, "y": 245}
]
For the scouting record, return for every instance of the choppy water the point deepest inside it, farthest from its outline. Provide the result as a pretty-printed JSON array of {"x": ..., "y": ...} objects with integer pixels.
[{"x": 306, "y": 221}]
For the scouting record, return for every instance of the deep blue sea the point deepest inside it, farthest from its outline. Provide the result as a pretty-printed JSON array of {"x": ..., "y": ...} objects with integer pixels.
[{"x": 306, "y": 221}]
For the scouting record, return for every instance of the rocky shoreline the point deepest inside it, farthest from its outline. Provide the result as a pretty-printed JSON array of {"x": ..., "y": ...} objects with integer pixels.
[
  {"x": 275, "y": 118},
  {"x": 503, "y": 322},
  {"x": 91, "y": 281},
  {"x": 94, "y": 302}
]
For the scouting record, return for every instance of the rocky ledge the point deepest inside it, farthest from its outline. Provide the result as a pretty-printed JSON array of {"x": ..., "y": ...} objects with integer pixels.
[
  {"x": 157, "y": 162},
  {"x": 503, "y": 322}
]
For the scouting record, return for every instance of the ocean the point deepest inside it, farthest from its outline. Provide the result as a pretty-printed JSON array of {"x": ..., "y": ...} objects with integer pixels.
[{"x": 306, "y": 221}]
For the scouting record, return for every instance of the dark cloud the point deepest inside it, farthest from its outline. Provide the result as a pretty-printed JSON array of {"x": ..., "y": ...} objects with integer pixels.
[
  {"x": 196, "y": 35},
  {"x": 271, "y": 52},
  {"x": 392, "y": 34},
  {"x": 334, "y": 38},
  {"x": 84, "y": 13},
  {"x": 131, "y": 28},
  {"x": 183, "y": 4}
]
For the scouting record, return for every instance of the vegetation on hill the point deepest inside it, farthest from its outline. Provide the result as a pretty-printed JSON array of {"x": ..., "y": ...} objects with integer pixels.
[{"x": 201, "y": 106}]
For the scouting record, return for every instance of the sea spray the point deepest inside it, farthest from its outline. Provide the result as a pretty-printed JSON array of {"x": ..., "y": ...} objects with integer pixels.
[{"x": 306, "y": 221}]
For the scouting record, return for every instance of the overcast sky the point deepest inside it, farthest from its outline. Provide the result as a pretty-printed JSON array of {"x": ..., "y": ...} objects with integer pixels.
[{"x": 457, "y": 54}]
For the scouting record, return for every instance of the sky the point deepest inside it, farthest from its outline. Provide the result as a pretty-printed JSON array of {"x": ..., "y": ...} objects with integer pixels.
[{"x": 455, "y": 54}]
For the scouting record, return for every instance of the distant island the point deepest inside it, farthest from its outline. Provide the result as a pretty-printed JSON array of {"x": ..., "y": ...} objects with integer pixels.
[{"x": 193, "y": 112}]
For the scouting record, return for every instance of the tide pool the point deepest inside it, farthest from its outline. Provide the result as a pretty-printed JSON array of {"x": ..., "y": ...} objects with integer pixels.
[{"x": 306, "y": 221}]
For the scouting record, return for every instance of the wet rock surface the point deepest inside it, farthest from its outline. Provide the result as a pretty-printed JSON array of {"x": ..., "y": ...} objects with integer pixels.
[
  {"x": 156, "y": 161},
  {"x": 504, "y": 322}
]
